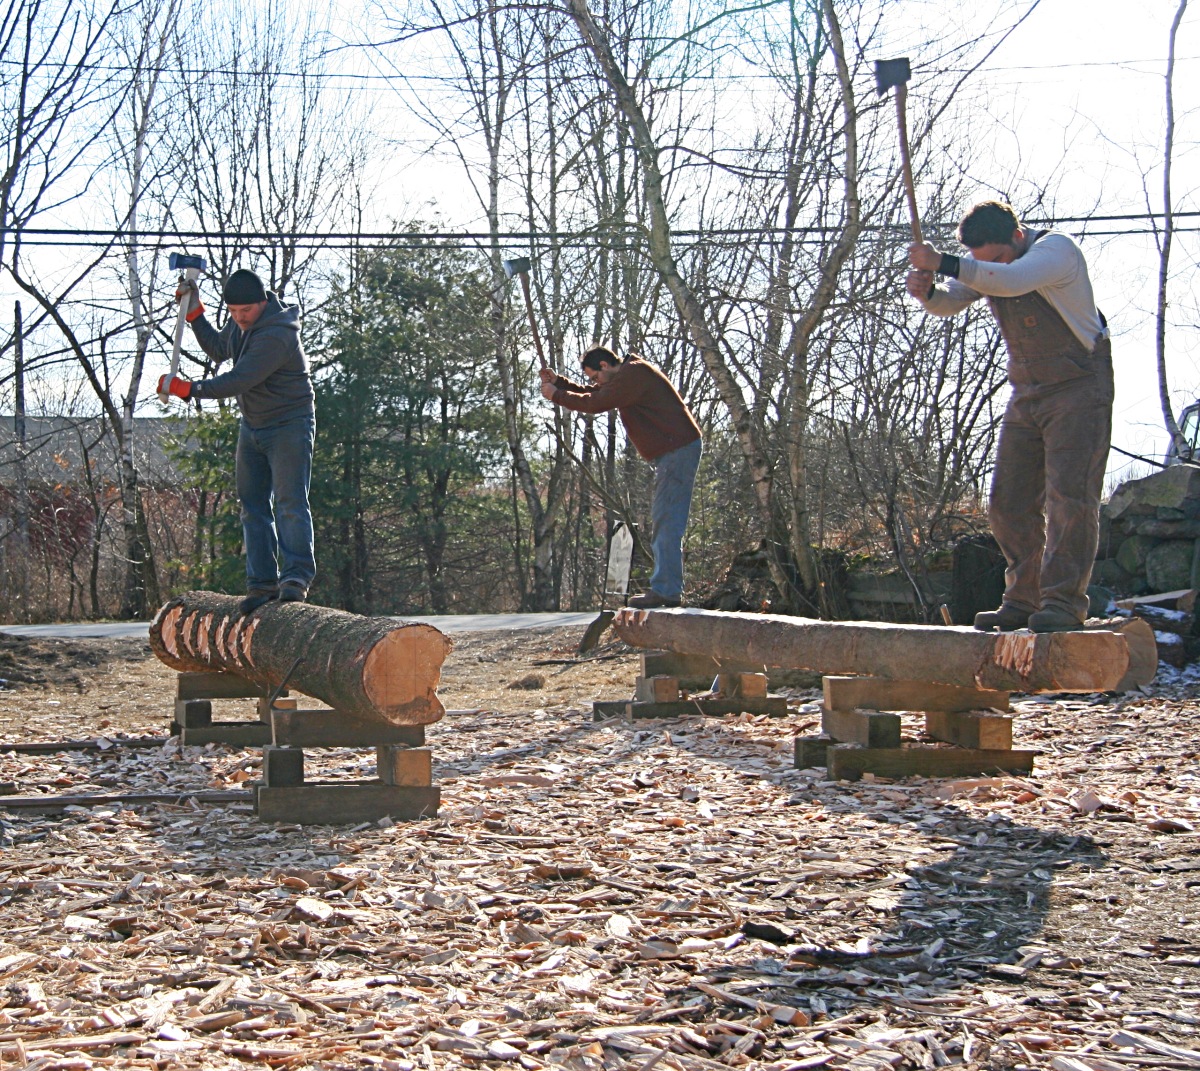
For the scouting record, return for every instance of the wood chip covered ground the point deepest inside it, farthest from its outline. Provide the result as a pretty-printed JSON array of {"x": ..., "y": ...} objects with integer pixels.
[{"x": 670, "y": 895}]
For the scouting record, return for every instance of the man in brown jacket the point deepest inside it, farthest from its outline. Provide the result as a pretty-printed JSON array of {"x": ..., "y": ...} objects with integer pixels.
[{"x": 663, "y": 431}]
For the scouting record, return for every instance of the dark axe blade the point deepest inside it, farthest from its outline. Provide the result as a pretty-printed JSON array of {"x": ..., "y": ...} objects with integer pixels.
[
  {"x": 517, "y": 266},
  {"x": 182, "y": 261},
  {"x": 891, "y": 72}
]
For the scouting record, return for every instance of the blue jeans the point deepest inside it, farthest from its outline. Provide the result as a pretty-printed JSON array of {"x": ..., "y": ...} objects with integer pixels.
[
  {"x": 674, "y": 478},
  {"x": 274, "y": 467}
]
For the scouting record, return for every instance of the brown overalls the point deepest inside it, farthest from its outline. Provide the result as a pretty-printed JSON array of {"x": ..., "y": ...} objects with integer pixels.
[{"x": 1050, "y": 461}]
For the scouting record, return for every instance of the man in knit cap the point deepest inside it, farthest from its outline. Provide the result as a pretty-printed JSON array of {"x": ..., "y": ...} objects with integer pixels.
[
  {"x": 270, "y": 380},
  {"x": 1045, "y": 497},
  {"x": 663, "y": 430}
]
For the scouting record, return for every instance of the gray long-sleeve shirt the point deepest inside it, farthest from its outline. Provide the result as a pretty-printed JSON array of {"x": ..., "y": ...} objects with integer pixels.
[
  {"x": 270, "y": 376},
  {"x": 1053, "y": 266}
]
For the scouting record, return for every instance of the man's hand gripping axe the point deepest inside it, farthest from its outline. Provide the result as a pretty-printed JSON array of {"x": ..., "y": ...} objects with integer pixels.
[
  {"x": 520, "y": 266},
  {"x": 189, "y": 269},
  {"x": 896, "y": 73}
]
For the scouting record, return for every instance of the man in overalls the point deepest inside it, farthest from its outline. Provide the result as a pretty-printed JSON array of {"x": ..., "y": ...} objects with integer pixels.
[{"x": 1050, "y": 461}]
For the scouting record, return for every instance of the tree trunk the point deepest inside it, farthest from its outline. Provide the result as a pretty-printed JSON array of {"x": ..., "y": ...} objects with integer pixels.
[
  {"x": 367, "y": 667},
  {"x": 1092, "y": 661}
]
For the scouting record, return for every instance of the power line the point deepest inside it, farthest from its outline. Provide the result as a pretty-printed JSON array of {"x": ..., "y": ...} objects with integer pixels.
[
  {"x": 614, "y": 236},
  {"x": 449, "y": 78}
]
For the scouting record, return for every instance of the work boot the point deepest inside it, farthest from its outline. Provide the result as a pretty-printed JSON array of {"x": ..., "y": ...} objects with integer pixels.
[
  {"x": 289, "y": 592},
  {"x": 1054, "y": 620},
  {"x": 1006, "y": 619},
  {"x": 256, "y": 598},
  {"x": 651, "y": 600}
]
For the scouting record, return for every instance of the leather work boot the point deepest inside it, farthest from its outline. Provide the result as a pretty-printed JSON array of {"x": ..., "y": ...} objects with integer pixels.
[
  {"x": 1054, "y": 620},
  {"x": 1006, "y": 619},
  {"x": 651, "y": 600},
  {"x": 292, "y": 593},
  {"x": 255, "y": 599}
]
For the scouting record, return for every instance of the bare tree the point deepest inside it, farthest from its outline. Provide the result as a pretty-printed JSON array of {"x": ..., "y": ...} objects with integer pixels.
[{"x": 1179, "y": 444}]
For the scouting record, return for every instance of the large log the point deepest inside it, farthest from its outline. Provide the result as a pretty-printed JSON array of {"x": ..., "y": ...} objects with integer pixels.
[
  {"x": 1092, "y": 661},
  {"x": 375, "y": 668}
]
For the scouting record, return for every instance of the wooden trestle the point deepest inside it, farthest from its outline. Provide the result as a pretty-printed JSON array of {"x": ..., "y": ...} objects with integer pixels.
[{"x": 403, "y": 788}]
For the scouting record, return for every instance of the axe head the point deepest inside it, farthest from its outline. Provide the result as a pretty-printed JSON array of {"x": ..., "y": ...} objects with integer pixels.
[
  {"x": 892, "y": 72},
  {"x": 182, "y": 261},
  {"x": 517, "y": 266}
]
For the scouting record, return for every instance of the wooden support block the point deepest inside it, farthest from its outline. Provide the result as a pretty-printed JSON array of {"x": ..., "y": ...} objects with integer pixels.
[
  {"x": 331, "y": 728},
  {"x": 282, "y": 766},
  {"x": 875, "y": 693},
  {"x": 233, "y": 733},
  {"x": 747, "y": 685},
  {"x": 335, "y": 804},
  {"x": 973, "y": 728},
  {"x": 193, "y": 713},
  {"x": 281, "y": 703},
  {"x": 847, "y": 762},
  {"x": 810, "y": 751},
  {"x": 404, "y": 765},
  {"x": 656, "y": 689},
  {"x": 216, "y": 686},
  {"x": 871, "y": 728}
]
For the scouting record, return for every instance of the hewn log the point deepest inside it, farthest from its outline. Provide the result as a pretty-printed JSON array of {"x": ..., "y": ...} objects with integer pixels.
[
  {"x": 375, "y": 668},
  {"x": 1091, "y": 661}
]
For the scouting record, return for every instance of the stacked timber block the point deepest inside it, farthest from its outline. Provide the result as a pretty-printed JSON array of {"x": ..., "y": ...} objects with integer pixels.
[
  {"x": 861, "y": 730},
  {"x": 404, "y": 788},
  {"x": 661, "y": 690}
]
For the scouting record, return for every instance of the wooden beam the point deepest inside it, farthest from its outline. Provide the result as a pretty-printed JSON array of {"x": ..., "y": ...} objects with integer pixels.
[
  {"x": 846, "y": 762},
  {"x": 774, "y": 706},
  {"x": 375, "y": 668},
  {"x": 1085, "y": 661},
  {"x": 338, "y": 804},
  {"x": 209, "y": 684},
  {"x": 876, "y": 693}
]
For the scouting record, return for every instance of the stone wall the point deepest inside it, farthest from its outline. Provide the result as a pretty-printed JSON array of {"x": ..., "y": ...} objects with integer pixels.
[{"x": 1150, "y": 534}]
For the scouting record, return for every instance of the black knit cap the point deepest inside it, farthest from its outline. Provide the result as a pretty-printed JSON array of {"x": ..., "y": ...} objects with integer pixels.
[{"x": 243, "y": 287}]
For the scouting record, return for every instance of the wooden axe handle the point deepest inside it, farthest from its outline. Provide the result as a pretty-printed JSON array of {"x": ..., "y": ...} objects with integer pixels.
[
  {"x": 537, "y": 339},
  {"x": 906, "y": 162},
  {"x": 185, "y": 306}
]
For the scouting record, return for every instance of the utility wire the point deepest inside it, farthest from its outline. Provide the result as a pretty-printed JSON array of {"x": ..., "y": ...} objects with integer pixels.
[{"x": 626, "y": 233}]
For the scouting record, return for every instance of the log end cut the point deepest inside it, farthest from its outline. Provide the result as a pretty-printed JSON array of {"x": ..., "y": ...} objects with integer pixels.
[{"x": 402, "y": 671}]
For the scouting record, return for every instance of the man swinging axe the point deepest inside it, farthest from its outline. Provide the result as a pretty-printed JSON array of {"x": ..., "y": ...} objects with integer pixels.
[
  {"x": 1050, "y": 459},
  {"x": 663, "y": 431},
  {"x": 270, "y": 379}
]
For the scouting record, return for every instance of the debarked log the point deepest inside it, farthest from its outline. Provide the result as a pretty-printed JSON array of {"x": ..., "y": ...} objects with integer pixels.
[
  {"x": 1092, "y": 661},
  {"x": 376, "y": 668}
]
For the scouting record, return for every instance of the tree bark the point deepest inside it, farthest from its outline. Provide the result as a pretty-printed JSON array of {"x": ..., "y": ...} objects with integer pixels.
[
  {"x": 376, "y": 668},
  {"x": 1090, "y": 661}
]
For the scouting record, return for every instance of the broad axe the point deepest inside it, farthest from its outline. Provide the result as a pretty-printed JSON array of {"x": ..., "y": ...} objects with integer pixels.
[
  {"x": 896, "y": 73},
  {"x": 520, "y": 266},
  {"x": 189, "y": 269}
]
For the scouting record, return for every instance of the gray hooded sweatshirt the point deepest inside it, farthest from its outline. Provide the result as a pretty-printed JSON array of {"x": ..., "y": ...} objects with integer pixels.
[{"x": 270, "y": 376}]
